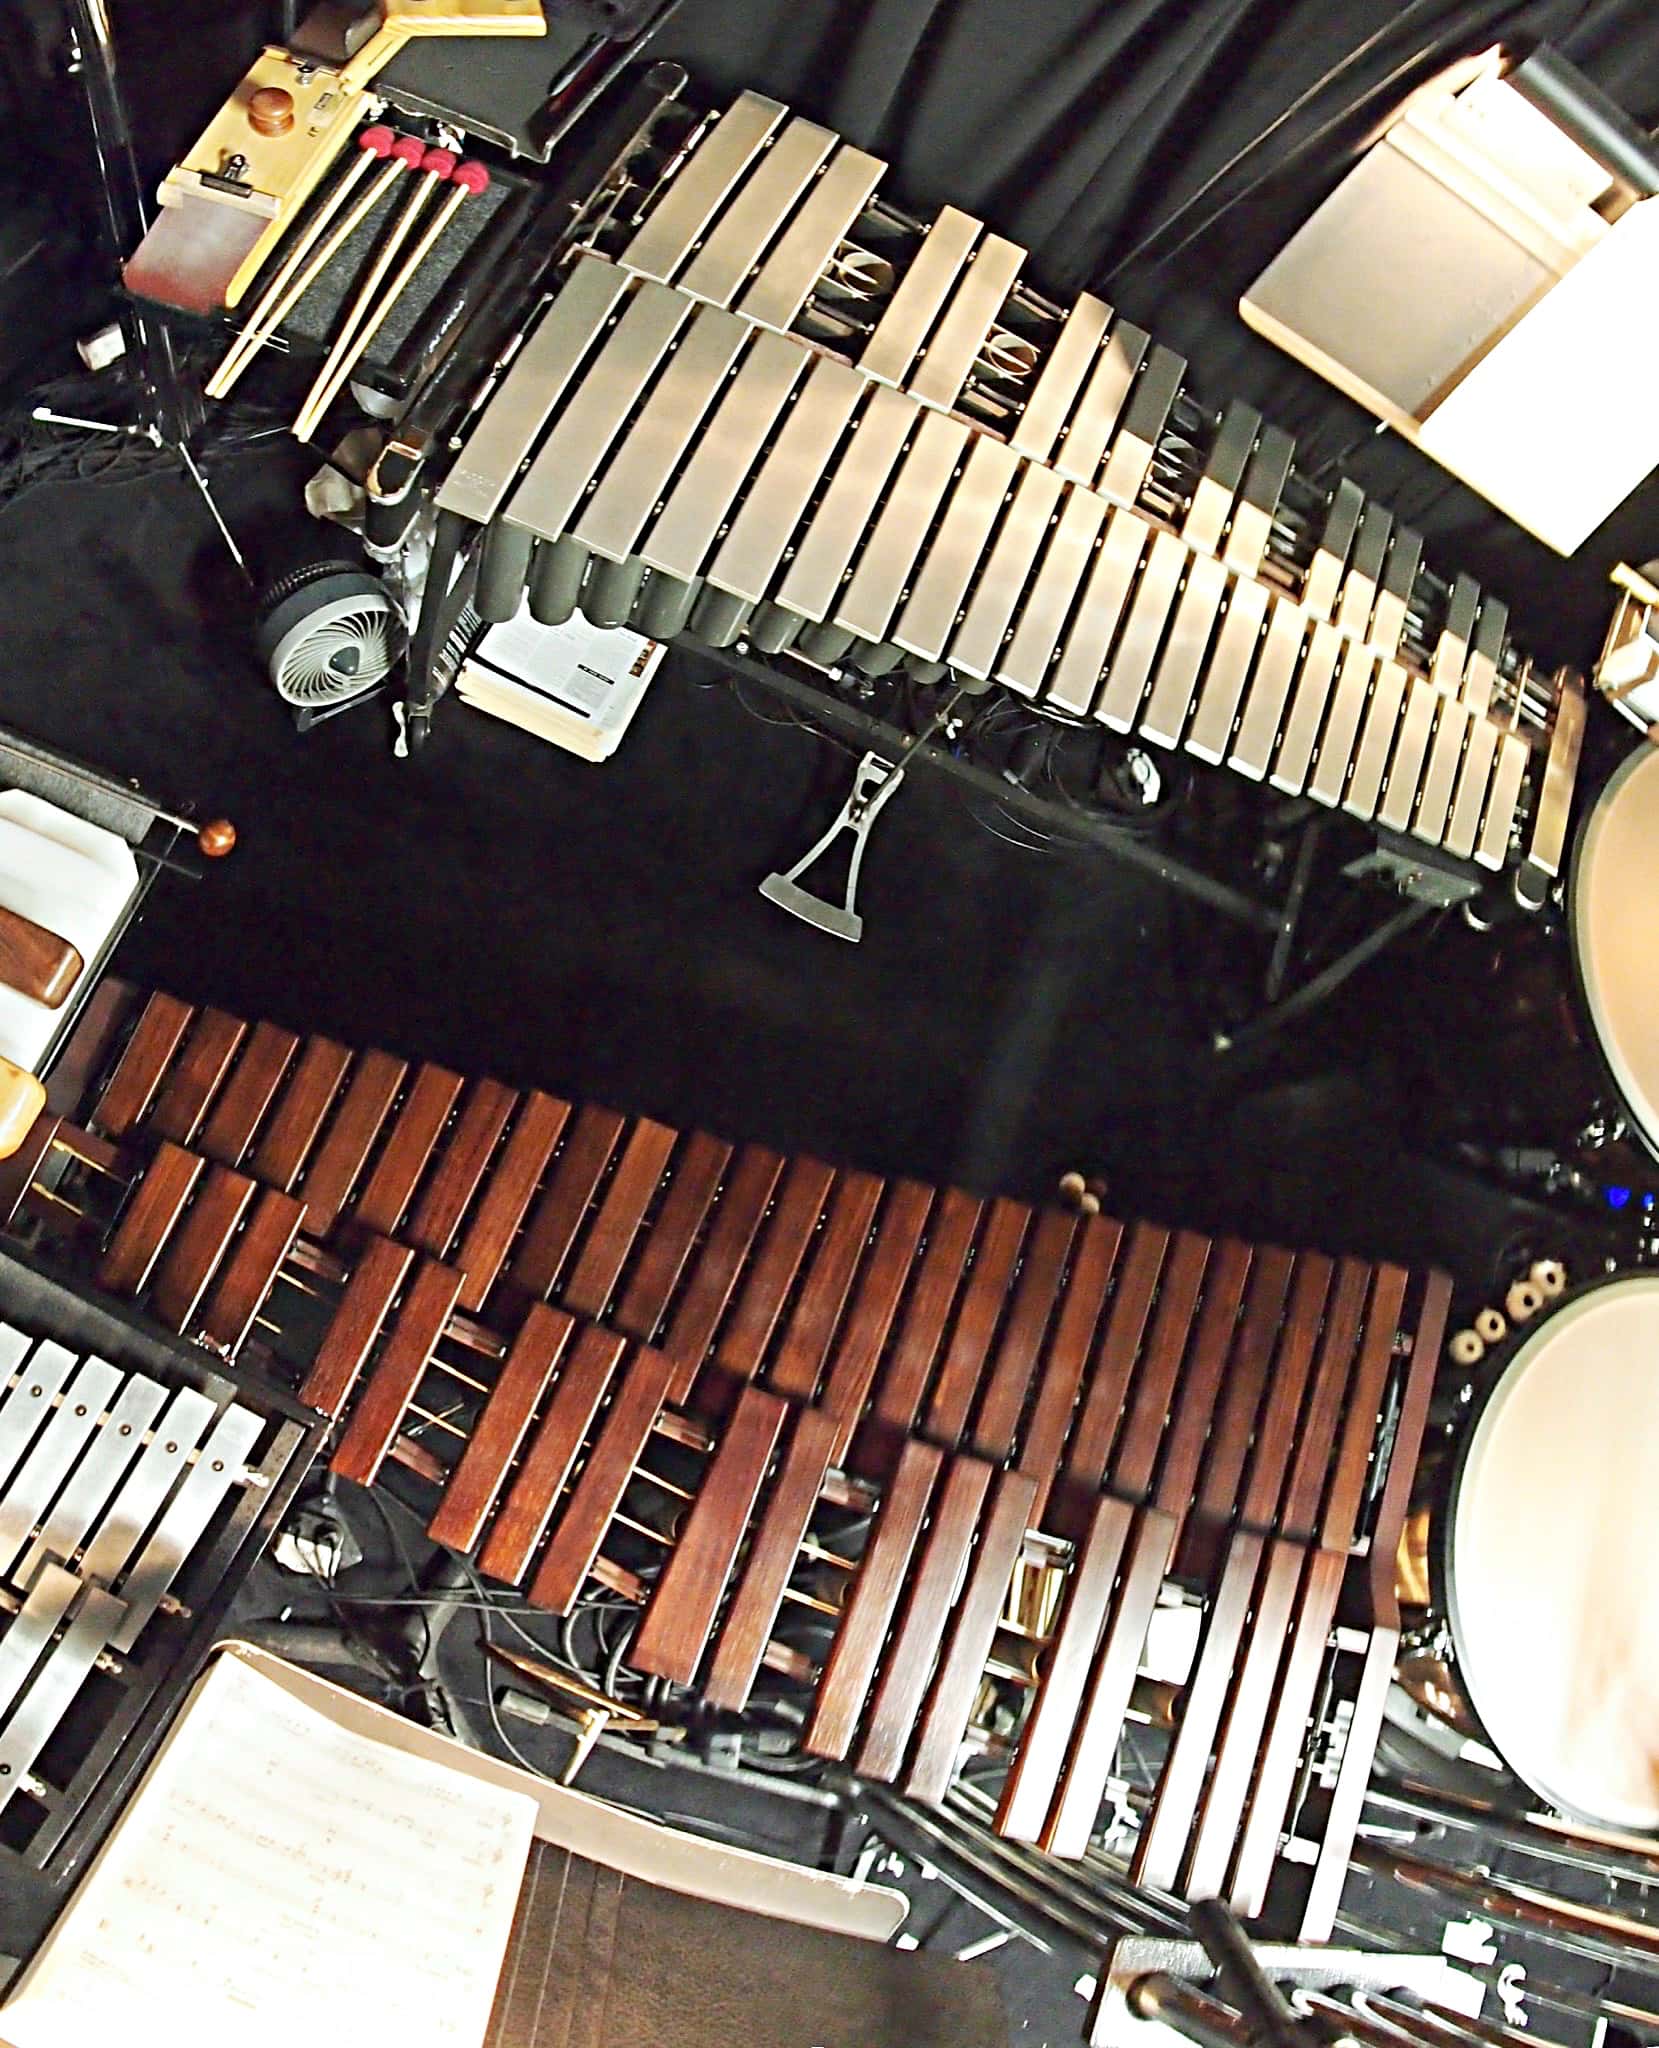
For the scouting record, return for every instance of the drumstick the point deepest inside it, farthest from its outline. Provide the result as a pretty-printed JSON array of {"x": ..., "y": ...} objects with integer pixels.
[
  {"x": 469, "y": 179},
  {"x": 436, "y": 166},
  {"x": 400, "y": 157}
]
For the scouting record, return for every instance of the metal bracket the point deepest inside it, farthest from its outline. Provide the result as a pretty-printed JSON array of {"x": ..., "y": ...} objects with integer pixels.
[
  {"x": 873, "y": 783},
  {"x": 1118, "y": 2023}
]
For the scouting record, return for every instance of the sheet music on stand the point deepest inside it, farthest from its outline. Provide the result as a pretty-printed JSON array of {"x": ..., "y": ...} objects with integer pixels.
[{"x": 281, "y": 1878}]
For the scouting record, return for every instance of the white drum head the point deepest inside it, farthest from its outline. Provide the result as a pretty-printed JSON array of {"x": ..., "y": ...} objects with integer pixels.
[
  {"x": 1553, "y": 1562},
  {"x": 1615, "y": 923}
]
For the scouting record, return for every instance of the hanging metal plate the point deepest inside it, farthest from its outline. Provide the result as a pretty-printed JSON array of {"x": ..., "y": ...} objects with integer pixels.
[
  {"x": 977, "y": 646},
  {"x": 559, "y": 474},
  {"x": 969, "y": 318},
  {"x": 702, "y": 185},
  {"x": 1376, "y": 741},
  {"x": 1025, "y": 663},
  {"x": 901, "y": 527},
  {"x": 1223, "y": 683},
  {"x": 754, "y": 217},
  {"x": 1097, "y": 411},
  {"x": 795, "y": 464},
  {"x": 640, "y": 469},
  {"x": 1258, "y": 501},
  {"x": 805, "y": 247},
  {"x": 1269, "y": 686},
  {"x": 1405, "y": 771},
  {"x": 1131, "y": 663},
  {"x": 1165, "y": 717},
  {"x": 1077, "y": 675},
  {"x": 1473, "y": 779},
  {"x": 1325, "y": 570},
  {"x": 920, "y": 297},
  {"x": 1307, "y": 709},
  {"x": 1342, "y": 723},
  {"x": 957, "y": 550},
  {"x": 1049, "y": 407},
  {"x": 1144, "y": 418},
  {"x": 57, "y": 1447},
  {"x": 832, "y": 535},
  {"x": 484, "y": 470},
  {"x": 696, "y": 507}
]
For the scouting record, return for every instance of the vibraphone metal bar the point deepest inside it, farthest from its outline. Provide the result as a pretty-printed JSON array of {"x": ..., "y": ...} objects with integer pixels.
[
  {"x": 699, "y": 435},
  {"x": 1048, "y": 1419}
]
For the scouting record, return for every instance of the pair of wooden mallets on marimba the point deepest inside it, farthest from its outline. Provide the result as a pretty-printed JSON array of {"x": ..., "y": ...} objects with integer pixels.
[{"x": 323, "y": 237}]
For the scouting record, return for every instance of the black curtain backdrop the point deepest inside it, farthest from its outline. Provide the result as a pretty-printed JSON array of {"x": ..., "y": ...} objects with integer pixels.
[{"x": 1213, "y": 127}]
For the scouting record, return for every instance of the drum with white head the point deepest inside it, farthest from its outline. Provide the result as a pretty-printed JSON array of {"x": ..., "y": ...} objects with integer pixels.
[{"x": 1614, "y": 916}]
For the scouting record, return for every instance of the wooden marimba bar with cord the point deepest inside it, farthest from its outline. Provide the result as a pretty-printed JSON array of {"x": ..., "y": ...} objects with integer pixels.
[{"x": 625, "y": 1353}]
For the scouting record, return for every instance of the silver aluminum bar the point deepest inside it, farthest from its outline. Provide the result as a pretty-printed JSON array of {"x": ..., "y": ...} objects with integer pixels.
[
  {"x": 1451, "y": 651},
  {"x": 1376, "y": 742},
  {"x": 967, "y": 320},
  {"x": 1258, "y": 725},
  {"x": 1440, "y": 778},
  {"x": 47, "y": 1601},
  {"x": 1359, "y": 586},
  {"x": 1307, "y": 710},
  {"x": 1165, "y": 717},
  {"x": 901, "y": 527},
  {"x": 26, "y": 1407},
  {"x": 1405, "y": 771},
  {"x": 1212, "y": 498},
  {"x": 1144, "y": 418},
  {"x": 1492, "y": 847},
  {"x": 1077, "y": 677},
  {"x": 1336, "y": 742},
  {"x": 1025, "y": 663},
  {"x": 702, "y": 185},
  {"x": 821, "y": 222},
  {"x": 1325, "y": 570},
  {"x": 1388, "y": 620},
  {"x": 1258, "y": 500},
  {"x": 1090, "y": 426},
  {"x": 147, "y": 1485},
  {"x": 812, "y": 583},
  {"x": 94, "y": 1480},
  {"x": 920, "y": 297},
  {"x": 1223, "y": 685},
  {"x": 1490, "y": 629},
  {"x": 1049, "y": 407},
  {"x": 1143, "y": 630},
  {"x": 57, "y": 1447},
  {"x": 1555, "y": 792},
  {"x": 977, "y": 646},
  {"x": 754, "y": 217},
  {"x": 929, "y": 616},
  {"x": 59, "y": 1679},
  {"x": 1473, "y": 779}
]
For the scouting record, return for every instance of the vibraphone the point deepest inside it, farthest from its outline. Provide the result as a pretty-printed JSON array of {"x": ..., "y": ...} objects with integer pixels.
[
  {"x": 929, "y": 1463},
  {"x": 138, "y": 1480},
  {"x": 763, "y": 404}
]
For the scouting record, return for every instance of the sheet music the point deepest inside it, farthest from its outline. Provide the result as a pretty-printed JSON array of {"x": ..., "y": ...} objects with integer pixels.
[{"x": 280, "y": 1880}]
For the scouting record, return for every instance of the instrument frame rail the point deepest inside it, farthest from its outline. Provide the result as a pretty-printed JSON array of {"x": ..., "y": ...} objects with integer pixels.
[{"x": 110, "y": 1718}]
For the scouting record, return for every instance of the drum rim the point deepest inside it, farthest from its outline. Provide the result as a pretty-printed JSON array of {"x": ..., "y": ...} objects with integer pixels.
[
  {"x": 1601, "y": 1047},
  {"x": 1512, "y": 1361}
]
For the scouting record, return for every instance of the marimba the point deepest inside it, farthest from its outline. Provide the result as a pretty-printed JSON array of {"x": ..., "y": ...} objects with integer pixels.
[
  {"x": 765, "y": 404},
  {"x": 927, "y": 1463}
]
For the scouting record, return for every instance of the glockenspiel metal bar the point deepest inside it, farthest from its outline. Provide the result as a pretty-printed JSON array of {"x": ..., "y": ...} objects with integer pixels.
[
  {"x": 558, "y": 475},
  {"x": 1025, "y": 663},
  {"x": 1165, "y": 716},
  {"x": 947, "y": 568},
  {"x": 95, "y": 1478},
  {"x": 1324, "y": 575},
  {"x": 702, "y": 186},
  {"x": 902, "y": 526},
  {"x": 161, "y": 1463},
  {"x": 1045, "y": 412},
  {"x": 25, "y": 1501},
  {"x": 922, "y": 295},
  {"x": 26, "y": 1407},
  {"x": 1382, "y": 719},
  {"x": 966, "y": 322},
  {"x": 765, "y": 523},
  {"x": 1258, "y": 726},
  {"x": 613, "y": 518},
  {"x": 722, "y": 265},
  {"x": 1223, "y": 681},
  {"x": 1143, "y": 631},
  {"x": 1342, "y": 724},
  {"x": 801, "y": 253},
  {"x": 48, "y": 1600},
  {"x": 977, "y": 645},
  {"x": 1144, "y": 418},
  {"x": 1224, "y": 468},
  {"x": 185, "y": 1519},
  {"x": 537, "y": 379},
  {"x": 1091, "y": 425},
  {"x": 96, "y": 1620}
]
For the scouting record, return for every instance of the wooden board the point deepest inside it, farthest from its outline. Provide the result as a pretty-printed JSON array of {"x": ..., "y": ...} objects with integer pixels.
[
  {"x": 743, "y": 1199},
  {"x": 508, "y": 1193},
  {"x": 248, "y": 1094},
  {"x": 611, "y": 1236},
  {"x": 902, "y": 1381},
  {"x": 591, "y": 1138},
  {"x": 1074, "y": 1333},
  {"x": 282, "y": 1152},
  {"x": 397, "y": 1373},
  {"x": 376, "y": 1280},
  {"x": 501, "y": 1428},
  {"x": 461, "y": 1166},
  {"x": 668, "y": 1246},
  {"x": 408, "y": 1150},
  {"x": 198, "y": 1245},
  {"x": 195, "y": 1076},
  {"x": 875, "y": 1304},
  {"x": 344, "y": 1148},
  {"x": 155, "y": 1207},
  {"x": 131, "y": 1088},
  {"x": 251, "y": 1270},
  {"x": 983, "y": 1304},
  {"x": 1021, "y": 1348},
  {"x": 799, "y": 1357}
]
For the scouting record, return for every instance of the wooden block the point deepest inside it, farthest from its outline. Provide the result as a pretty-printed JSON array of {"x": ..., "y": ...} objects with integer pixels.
[
  {"x": 714, "y": 1272},
  {"x": 545, "y": 1246},
  {"x": 1019, "y": 1354},
  {"x": 1074, "y": 1333},
  {"x": 679, "y": 1616},
  {"x": 248, "y": 1094},
  {"x": 805, "y": 1346},
  {"x": 902, "y": 1382},
  {"x": 1106, "y": 1707},
  {"x": 1148, "y": 1409},
  {"x": 1276, "y": 1422},
  {"x": 39, "y": 964},
  {"x": 1100, "y": 1412},
  {"x": 1353, "y": 1458},
  {"x": 466, "y": 1155},
  {"x": 667, "y": 1247},
  {"x": 773, "y": 1554},
  {"x": 194, "y": 1078},
  {"x": 637, "y": 1177},
  {"x": 862, "y": 1630},
  {"x": 802, "y": 1194},
  {"x": 390, "y": 1387},
  {"x": 251, "y": 1270},
  {"x": 547, "y": 1465},
  {"x": 932, "y": 1589},
  {"x": 1254, "y": 1344},
  {"x": 984, "y": 1301},
  {"x": 955, "y": 1686},
  {"x": 1316, "y": 1433},
  {"x": 286, "y": 1145},
  {"x": 1042, "y": 1744},
  {"x": 875, "y": 1304},
  {"x": 1195, "y": 1400},
  {"x": 131, "y": 1088},
  {"x": 508, "y": 1193},
  {"x": 379, "y": 1274},
  {"x": 408, "y": 1150},
  {"x": 500, "y": 1428},
  {"x": 156, "y": 1205},
  {"x": 198, "y": 1245},
  {"x": 581, "y": 1529},
  {"x": 1162, "y": 1846},
  {"x": 345, "y": 1146}
]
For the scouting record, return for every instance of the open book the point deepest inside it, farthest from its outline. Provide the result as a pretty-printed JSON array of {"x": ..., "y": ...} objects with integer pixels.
[{"x": 299, "y": 1865}]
